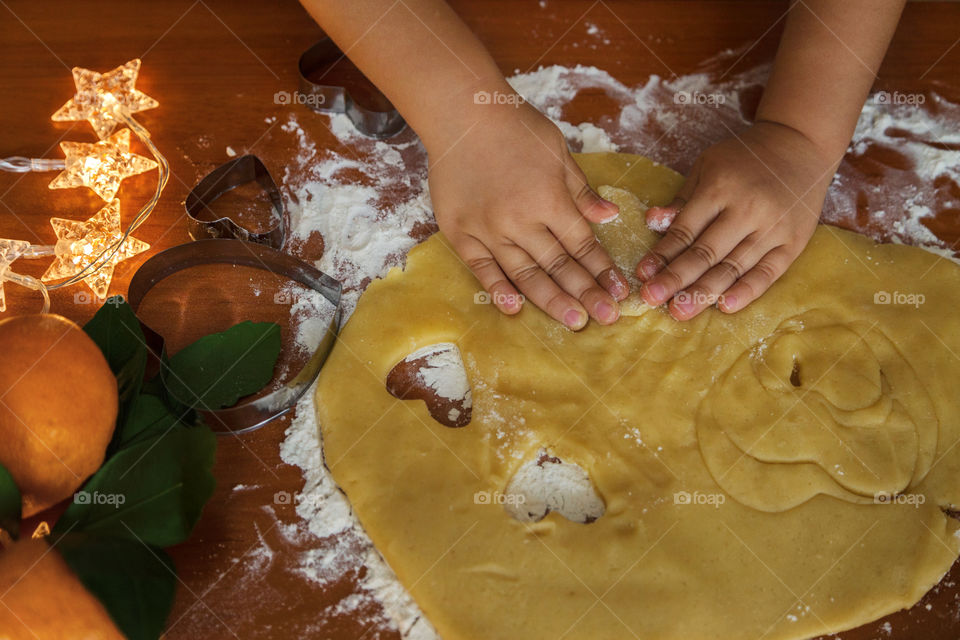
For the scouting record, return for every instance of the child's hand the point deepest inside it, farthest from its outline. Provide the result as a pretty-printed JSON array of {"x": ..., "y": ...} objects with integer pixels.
[
  {"x": 515, "y": 206},
  {"x": 747, "y": 210}
]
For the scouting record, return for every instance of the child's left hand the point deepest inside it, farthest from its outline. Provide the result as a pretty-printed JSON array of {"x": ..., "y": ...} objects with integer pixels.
[{"x": 746, "y": 211}]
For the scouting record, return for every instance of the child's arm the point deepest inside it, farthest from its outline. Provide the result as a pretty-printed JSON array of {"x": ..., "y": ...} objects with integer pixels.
[
  {"x": 505, "y": 190},
  {"x": 752, "y": 201}
]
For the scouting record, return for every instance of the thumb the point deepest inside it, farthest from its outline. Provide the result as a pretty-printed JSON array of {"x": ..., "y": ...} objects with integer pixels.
[
  {"x": 659, "y": 218},
  {"x": 588, "y": 202},
  {"x": 593, "y": 207}
]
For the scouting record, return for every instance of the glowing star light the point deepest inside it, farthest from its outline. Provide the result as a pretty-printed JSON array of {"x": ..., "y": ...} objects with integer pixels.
[
  {"x": 102, "y": 166},
  {"x": 100, "y": 95},
  {"x": 80, "y": 243},
  {"x": 10, "y": 250}
]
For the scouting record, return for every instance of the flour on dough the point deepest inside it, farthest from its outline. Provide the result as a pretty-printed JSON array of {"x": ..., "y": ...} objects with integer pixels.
[
  {"x": 547, "y": 484},
  {"x": 627, "y": 239}
]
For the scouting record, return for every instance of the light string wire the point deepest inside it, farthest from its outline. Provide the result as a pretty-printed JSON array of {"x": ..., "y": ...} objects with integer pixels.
[
  {"x": 104, "y": 257},
  {"x": 19, "y": 164}
]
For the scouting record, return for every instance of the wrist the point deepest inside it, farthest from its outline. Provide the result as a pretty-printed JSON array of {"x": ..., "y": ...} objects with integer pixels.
[
  {"x": 829, "y": 147},
  {"x": 826, "y": 154}
]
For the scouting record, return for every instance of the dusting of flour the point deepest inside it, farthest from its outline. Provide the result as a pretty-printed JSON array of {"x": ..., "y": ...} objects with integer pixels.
[
  {"x": 327, "y": 514},
  {"x": 443, "y": 371},
  {"x": 369, "y": 202}
]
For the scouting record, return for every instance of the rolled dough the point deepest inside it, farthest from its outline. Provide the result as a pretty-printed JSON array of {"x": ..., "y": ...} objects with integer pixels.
[{"x": 778, "y": 473}]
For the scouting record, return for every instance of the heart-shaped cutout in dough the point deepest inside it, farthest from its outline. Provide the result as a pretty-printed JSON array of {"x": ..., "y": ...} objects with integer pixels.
[
  {"x": 435, "y": 374},
  {"x": 548, "y": 484}
]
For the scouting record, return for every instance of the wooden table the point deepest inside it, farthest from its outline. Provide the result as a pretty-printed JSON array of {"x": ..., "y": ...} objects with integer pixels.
[{"x": 214, "y": 65}]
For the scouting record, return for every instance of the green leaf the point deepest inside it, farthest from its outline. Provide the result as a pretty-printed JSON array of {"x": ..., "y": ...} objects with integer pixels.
[
  {"x": 10, "y": 505},
  {"x": 219, "y": 369},
  {"x": 116, "y": 330},
  {"x": 153, "y": 490},
  {"x": 134, "y": 582},
  {"x": 155, "y": 387},
  {"x": 148, "y": 417}
]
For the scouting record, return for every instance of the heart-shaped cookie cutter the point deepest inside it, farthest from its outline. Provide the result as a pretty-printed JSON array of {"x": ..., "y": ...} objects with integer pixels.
[
  {"x": 327, "y": 98},
  {"x": 255, "y": 413},
  {"x": 229, "y": 175}
]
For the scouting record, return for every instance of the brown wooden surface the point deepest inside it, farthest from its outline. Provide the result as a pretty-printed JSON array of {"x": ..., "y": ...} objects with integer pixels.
[{"x": 214, "y": 67}]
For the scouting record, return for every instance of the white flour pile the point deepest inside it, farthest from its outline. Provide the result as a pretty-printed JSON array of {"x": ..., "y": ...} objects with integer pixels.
[{"x": 344, "y": 196}]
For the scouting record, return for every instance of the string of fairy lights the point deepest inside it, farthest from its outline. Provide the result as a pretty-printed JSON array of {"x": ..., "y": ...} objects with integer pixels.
[{"x": 88, "y": 251}]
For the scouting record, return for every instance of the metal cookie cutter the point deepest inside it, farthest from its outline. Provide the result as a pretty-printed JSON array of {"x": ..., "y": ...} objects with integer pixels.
[
  {"x": 258, "y": 412},
  {"x": 376, "y": 117},
  {"x": 232, "y": 174}
]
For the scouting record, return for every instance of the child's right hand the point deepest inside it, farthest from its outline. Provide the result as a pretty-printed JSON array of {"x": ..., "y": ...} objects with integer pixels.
[{"x": 515, "y": 206}]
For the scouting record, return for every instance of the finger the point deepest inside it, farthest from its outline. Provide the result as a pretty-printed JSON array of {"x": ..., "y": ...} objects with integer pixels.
[
  {"x": 481, "y": 262},
  {"x": 709, "y": 289},
  {"x": 689, "y": 224},
  {"x": 660, "y": 218},
  {"x": 539, "y": 288},
  {"x": 578, "y": 239},
  {"x": 756, "y": 281},
  {"x": 716, "y": 242},
  {"x": 588, "y": 202},
  {"x": 572, "y": 277}
]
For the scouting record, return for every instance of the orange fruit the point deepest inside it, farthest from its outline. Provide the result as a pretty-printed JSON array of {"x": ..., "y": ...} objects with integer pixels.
[
  {"x": 58, "y": 407},
  {"x": 44, "y": 600}
]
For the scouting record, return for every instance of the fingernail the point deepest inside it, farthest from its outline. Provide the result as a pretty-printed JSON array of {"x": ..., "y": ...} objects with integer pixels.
[
  {"x": 615, "y": 284},
  {"x": 511, "y": 302},
  {"x": 648, "y": 267},
  {"x": 606, "y": 312},
  {"x": 656, "y": 294},
  {"x": 574, "y": 319},
  {"x": 619, "y": 288},
  {"x": 659, "y": 219},
  {"x": 612, "y": 208},
  {"x": 729, "y": 303},
  {"x": 683, "y": 307}
]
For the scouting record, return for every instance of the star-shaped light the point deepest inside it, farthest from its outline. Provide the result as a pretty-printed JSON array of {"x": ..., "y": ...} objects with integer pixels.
[
  {"x": 102, "y": 166},
  {"x": 10, "y": 250},
  {"x": 100, "y": 95},
  {"x": 81, "y": 243}
]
